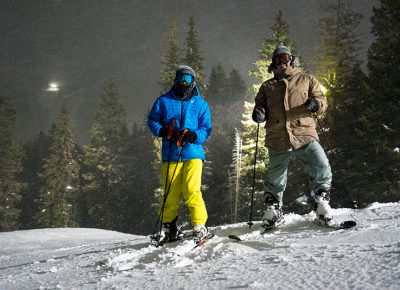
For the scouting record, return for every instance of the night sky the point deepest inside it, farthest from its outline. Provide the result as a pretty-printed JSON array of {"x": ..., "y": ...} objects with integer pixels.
[{"x": 80, "y": 44}]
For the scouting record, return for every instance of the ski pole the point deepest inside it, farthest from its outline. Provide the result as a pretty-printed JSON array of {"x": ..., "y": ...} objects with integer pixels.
[
  {"x": 167, "y": 189},
  {"x": 170, "y": 138},
  {"x": 250, "y": 223}
]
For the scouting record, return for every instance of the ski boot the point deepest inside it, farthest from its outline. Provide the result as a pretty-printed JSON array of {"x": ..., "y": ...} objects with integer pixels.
[
  {"x": 322, "y": 208},
  {"x": 199, "y": 232},
  {"x": 273, "y": 216},
  {"x": 170, "y": 232},
  {"x": 158, "y": 239}
]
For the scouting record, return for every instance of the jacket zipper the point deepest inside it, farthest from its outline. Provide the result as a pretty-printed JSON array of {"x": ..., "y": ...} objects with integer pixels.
[{"x": 181, "y": 123}]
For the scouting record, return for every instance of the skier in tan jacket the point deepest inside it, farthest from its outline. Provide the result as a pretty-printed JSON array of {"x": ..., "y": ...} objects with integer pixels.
[{"x": 286, "y": 103}]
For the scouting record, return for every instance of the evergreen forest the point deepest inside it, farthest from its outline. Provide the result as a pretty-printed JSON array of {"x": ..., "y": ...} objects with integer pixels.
[{"x": 113, "y": 181}]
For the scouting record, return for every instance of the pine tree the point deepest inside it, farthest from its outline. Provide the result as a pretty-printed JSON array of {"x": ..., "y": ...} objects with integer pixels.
[
  {"x": 348, "y": 135},
  {"x": 103, "y": 178},
  {"x": 235, "y": 177},
  {"x": 217, "y": 86},
  {"x": 384, "y": 105},
  {"x": 249, "y": 135},
  {"x": 140, "y": 181},
  {"x": 226, "y": 113},
  {"x": 35, "y": 153},
  {"x": 236, "y": 87},
  {"x": 60, "y": 176},
  {"x": 279, "y": 35},
  {"x": 340, "y": 43},
  {"x": 172, "y": 58},
  {"x": 193, "y": 57},
  {"x": 10, "y": 166},
  {"x": 216, "y": 169},
  {"x": 345, "y": 82},
  {"x": 159, "y": 190}
]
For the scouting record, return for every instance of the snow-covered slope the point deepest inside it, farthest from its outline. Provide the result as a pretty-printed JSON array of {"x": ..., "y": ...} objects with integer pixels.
[{"x": 299, "y": 255}]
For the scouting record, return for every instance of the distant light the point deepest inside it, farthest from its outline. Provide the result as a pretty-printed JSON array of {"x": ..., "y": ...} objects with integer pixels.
[{"x": 53, "y": 87}]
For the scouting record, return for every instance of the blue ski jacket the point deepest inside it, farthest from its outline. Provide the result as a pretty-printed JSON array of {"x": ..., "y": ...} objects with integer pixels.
[{"x": 192, "y": 113}]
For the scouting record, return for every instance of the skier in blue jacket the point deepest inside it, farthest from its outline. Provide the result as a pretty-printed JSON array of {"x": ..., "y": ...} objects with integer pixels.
[{"x": 182, "y": 118}]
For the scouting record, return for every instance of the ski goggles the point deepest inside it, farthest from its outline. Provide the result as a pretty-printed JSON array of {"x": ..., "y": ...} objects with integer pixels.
[
  {"x": 184, "y": 78},
  {"x": 281, "y": 58}
]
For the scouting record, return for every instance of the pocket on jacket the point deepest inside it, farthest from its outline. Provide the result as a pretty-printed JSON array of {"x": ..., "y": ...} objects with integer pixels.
[{"x": 306, "y": 122}]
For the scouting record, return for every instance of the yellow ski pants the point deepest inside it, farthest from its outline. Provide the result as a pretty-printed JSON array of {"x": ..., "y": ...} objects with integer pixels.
[{"x": 186, "y": 180}]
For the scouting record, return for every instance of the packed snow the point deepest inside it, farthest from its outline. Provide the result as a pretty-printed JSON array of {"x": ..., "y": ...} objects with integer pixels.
[{"x": 298, "y": 255}]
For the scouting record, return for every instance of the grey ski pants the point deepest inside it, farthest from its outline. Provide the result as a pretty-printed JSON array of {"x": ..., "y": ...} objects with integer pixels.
[{"x": 314, "y": 161}]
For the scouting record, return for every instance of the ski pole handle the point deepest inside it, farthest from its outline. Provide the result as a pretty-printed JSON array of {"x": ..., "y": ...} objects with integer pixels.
[
  {"x": 180, "y": 140},
  {"x": 170, "y": 132}
]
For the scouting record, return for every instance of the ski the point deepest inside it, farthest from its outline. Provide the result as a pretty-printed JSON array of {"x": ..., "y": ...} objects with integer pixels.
[
  {"x": 203, "y": 240},
  {"x": 261, "y": 230},
  {"x": 155, "y": 241},
  {"x": 345, "y": 225},
  {"x": 190, "y": 246}
]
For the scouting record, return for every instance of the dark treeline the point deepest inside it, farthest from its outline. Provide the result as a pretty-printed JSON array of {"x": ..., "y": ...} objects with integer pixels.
[{"x": 113, "y": 181}]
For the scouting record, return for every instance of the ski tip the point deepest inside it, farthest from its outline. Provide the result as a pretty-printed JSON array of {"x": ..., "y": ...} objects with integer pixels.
[
  {"x": 207, "y": 237},
  {"x": 233, "y": 237},
  {"x": 347, "y": 225}
]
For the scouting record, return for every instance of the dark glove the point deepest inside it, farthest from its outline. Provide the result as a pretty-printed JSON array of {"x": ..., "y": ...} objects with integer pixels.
[
  {"x": 312, "y": 105},
  {"x": 163, "y": 132},
  {"x": 189, "y": 137},
  {"x": 258, "y": 115},
  {"x": 177, "y": 134}
]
